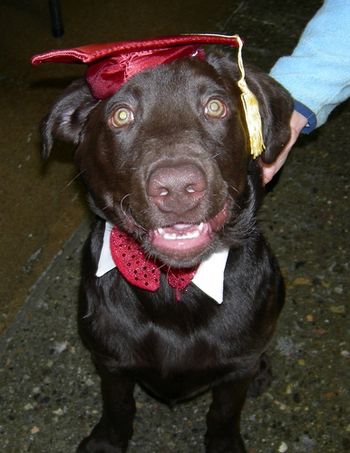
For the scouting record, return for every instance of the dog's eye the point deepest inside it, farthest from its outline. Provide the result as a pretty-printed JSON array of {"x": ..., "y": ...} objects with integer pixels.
[
  {"x": 122, "y": 117},
  {"x": 215, "y": 108}
]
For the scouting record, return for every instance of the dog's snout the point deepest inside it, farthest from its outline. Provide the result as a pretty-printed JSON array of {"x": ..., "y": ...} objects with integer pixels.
[{"x": 177, "y": 188}]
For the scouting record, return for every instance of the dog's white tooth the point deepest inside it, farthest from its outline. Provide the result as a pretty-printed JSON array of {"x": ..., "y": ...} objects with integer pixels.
[
  {"x": 196, "y": 234},
  {"x": 181, "y": 236},
  {"x": 170, "y": 236}
]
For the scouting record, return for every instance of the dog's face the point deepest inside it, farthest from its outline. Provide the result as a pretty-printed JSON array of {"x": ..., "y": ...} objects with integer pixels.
[{"x": 167, "y": 157}]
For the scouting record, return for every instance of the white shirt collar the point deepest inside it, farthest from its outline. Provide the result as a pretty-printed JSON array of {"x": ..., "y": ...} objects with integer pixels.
[{"x": 209, "y": 276}]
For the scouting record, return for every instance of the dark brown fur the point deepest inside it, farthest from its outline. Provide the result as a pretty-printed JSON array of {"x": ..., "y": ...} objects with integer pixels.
[{"x": 175, "y": 349}]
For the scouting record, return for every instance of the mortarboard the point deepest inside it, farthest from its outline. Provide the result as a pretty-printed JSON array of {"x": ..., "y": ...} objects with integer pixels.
[{"x": 112, "y": 64}]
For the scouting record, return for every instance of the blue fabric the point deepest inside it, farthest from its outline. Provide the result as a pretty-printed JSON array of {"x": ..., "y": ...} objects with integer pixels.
[
  {"x": 317, "y": 74},
  {"x": 309, "y": 114}
]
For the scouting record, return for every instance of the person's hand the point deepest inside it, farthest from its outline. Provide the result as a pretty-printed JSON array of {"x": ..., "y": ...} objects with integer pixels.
[{"x": 297, "y": 123}]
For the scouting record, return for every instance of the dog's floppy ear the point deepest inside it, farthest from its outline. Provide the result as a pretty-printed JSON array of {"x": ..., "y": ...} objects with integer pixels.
[
  {"x": 275, "y": 103},
  {"x": 276, "y": 107},
  {"x": 67, "y": 116}
]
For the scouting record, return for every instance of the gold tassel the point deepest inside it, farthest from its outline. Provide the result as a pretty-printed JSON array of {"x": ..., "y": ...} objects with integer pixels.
[
  {"x": 249, "y": 101},
  {"x": 251, "y": 109}
]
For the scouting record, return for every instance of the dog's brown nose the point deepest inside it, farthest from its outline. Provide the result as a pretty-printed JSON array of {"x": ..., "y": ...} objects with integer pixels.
[{"x": 177, "y": 188}]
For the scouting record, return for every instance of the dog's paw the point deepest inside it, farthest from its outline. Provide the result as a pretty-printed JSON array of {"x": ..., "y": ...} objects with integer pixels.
[
  {"x": 92, "y": 445},
  {"x": 262, "y": 379},
  {"x": 222, "y": 445}
]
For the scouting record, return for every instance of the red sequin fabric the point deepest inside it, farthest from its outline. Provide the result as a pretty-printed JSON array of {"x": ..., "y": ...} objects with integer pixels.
[{"x": 143, "y": 271}]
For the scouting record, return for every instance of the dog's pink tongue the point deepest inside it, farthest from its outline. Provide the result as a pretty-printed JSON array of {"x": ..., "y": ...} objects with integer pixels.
[{"x": 181, "y": 237}]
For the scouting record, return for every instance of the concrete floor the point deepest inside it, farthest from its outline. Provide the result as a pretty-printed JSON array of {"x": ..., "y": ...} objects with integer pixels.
[{"x": 49, "y": 393}]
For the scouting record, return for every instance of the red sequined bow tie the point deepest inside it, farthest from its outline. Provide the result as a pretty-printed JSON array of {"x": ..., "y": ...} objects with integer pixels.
[{"x": 141, "y": 271}]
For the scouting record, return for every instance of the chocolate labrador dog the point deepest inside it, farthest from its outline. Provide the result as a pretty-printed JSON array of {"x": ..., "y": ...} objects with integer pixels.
[{"x": 167, "y": 166}]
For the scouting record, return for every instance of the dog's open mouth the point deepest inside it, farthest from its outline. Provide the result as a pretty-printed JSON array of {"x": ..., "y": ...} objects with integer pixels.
[{"x": 185, "y": 239}]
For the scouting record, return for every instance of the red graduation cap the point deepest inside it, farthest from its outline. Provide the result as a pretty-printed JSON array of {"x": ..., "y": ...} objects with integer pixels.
[{"x": 112, "y": 64}]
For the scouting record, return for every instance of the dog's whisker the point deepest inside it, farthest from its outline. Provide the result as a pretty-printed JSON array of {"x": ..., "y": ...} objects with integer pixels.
[
  {"x": 234, "y": 188},
  {"x": 161, "y": 266},
  {"x": 139, "y": 226},
  {"x": 121, "y": 203},
  {"x": 69, "y": 183},
  {"x": 128, "y": 214}
]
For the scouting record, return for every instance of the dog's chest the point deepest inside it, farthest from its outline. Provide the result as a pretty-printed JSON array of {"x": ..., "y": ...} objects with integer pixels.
[
  {"x": 175, "y": 339},
  {"x": 172, "y": 362},
  {"x": 151, "y": 332},
  {"x": 170, "y": 350}
]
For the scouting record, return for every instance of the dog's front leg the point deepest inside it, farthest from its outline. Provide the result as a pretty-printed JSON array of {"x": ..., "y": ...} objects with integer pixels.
[
  {"x": 115, "y": 428},
  {"x": 223, "y": 419}
]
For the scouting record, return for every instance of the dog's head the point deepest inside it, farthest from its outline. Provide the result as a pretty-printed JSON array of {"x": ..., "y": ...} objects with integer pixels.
[{"x": 167, "y": 156}]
